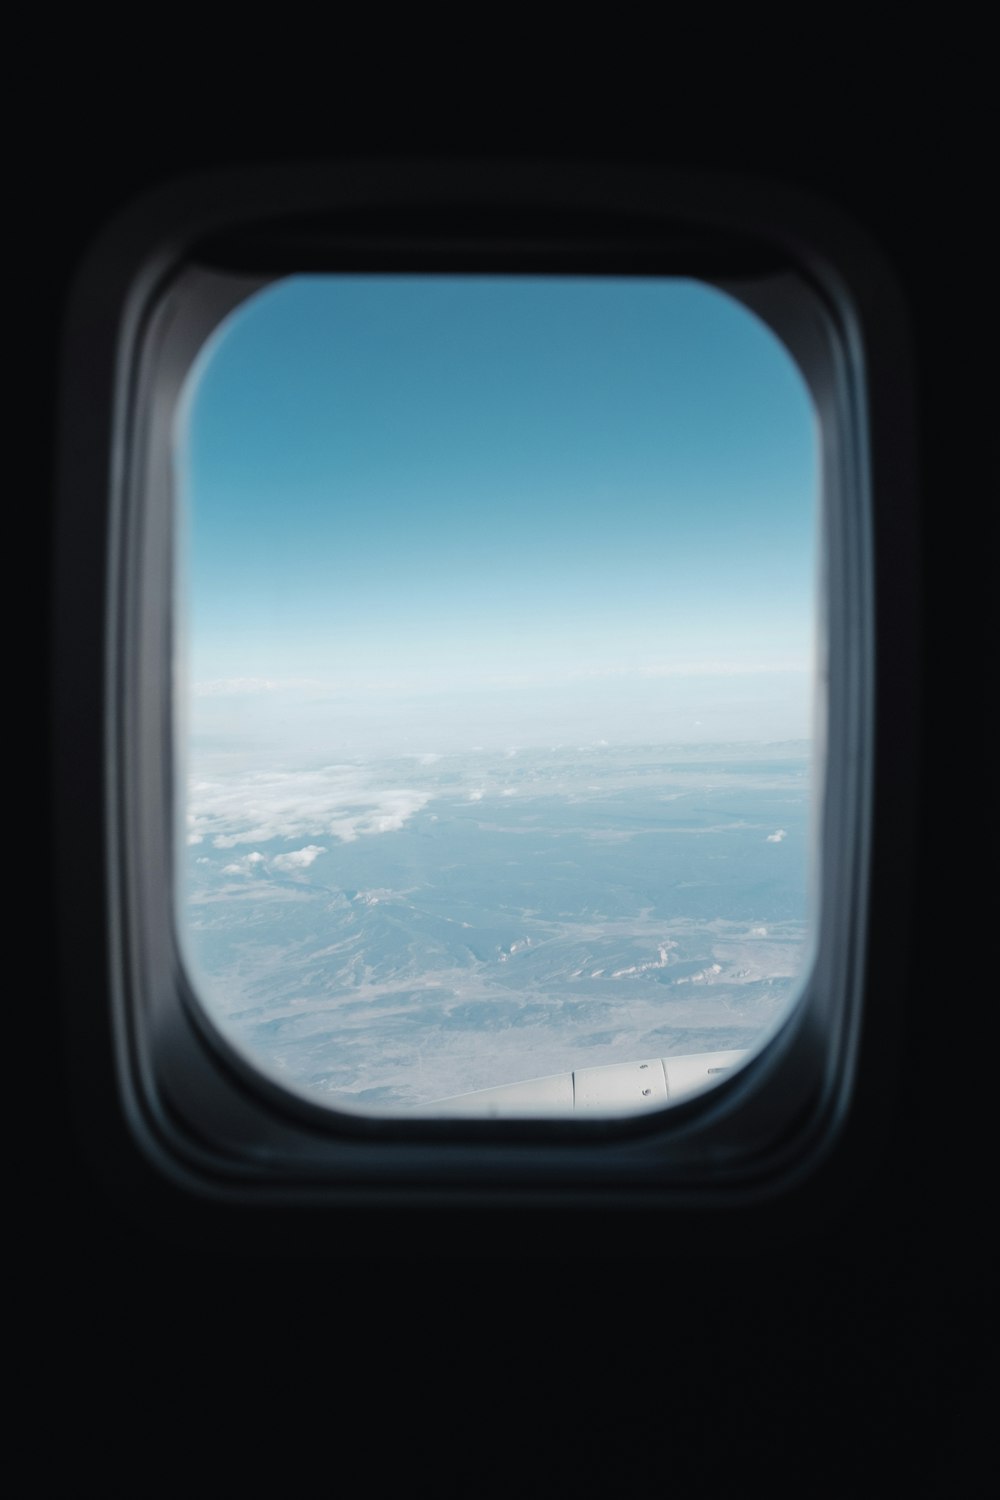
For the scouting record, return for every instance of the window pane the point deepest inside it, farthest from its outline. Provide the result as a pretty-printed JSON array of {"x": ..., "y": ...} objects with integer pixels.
[{"x": 495, "y": 665}]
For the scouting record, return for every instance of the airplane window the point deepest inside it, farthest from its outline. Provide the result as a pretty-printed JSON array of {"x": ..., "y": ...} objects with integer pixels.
[{"x": 496, "y": 688}]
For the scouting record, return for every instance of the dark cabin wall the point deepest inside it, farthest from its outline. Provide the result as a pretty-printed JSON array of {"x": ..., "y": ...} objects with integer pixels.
[{"x": 859, "y": 1344}]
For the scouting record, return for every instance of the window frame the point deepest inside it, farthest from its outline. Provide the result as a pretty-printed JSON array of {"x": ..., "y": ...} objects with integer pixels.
[{"x": 166, "y": 1091}]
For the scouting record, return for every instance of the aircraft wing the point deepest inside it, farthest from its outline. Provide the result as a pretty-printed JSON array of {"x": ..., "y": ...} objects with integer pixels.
[{"x": 615, "y": 1088}]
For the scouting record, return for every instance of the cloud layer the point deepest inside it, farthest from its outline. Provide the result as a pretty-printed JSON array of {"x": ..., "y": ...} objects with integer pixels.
[{"x": 343, "y": 802}]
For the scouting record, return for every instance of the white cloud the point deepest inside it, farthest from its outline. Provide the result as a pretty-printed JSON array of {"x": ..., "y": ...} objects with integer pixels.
[
  {"x": 343, "y": 801},
  {"x": 372, "y": 898},
  {"x": 776, "y": 838},
  {"x": 298, "y": 859},
  {"x": 248, "y": 865},
  {"x": 703, "y": 976},
  {"x": 653, "y": 963}
]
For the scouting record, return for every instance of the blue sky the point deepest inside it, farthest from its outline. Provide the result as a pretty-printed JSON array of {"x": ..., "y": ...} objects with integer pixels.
[{"x": 442, "y": 509}]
